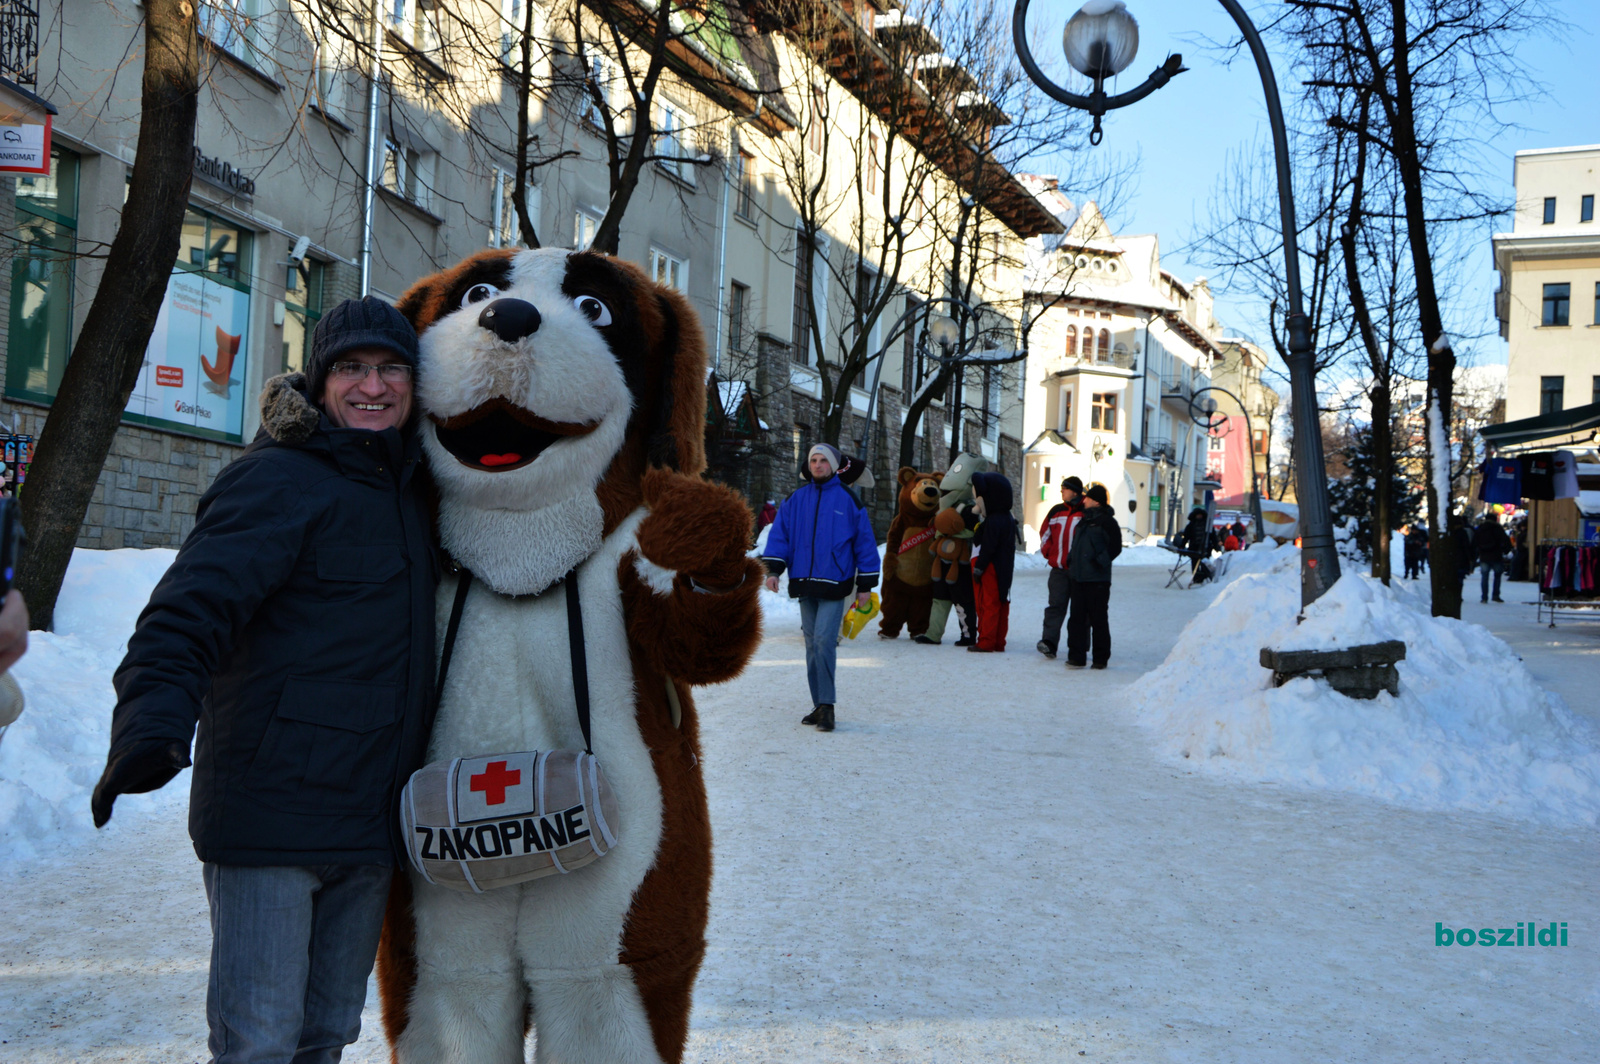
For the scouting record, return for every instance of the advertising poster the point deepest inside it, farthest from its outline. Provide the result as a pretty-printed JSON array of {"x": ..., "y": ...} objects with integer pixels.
[{"x": 193, "y": 375}]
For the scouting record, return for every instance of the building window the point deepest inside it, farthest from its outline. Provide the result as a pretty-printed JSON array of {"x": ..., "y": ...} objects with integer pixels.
[
  {"x": 1597, "y": 302},
  {"x": 1557, "y": 303},
  {"x": 673, "y": 145},
  {"x": 1072, "y": 340},
  {"x": 584, "y": 228},
  {"x": 1549, "y": 210},
  {"x": 408, "y": 173},
  {"x": 417, "y": 23},
  {"x": 239, "y": 27},
  {"x": 668, "y": 270},
  {"x": 505, "y": 228},
  {"x": 1586, "y": 209},
  {"x": 1103, "y": 412},
  {"x": 1258, "y": 443},
  {"x": 302, "y": 301},
  {"x": 333, "y": 57},
  {"x": 738, "y": 309},
  {"x": 196, "y": 364},
  {"x": 1595, "y": 390},
  {"x": 1104, "y": 354},
  {"x": 804, "y": 256},
  {"x": 912, "y": 370},
  {"x": 1086, "y": 352},
  {"x": 1551, "y": 394},
  {"x": 744, "y": 184},
  {"x": 42, "y": 278},
  {"x": 1064, "y": 411}
]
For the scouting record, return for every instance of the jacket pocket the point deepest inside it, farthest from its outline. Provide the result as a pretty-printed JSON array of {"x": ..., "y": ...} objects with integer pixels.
[
  {"x": 329, "y": 747},
  {"x": 374, "y": 564}
]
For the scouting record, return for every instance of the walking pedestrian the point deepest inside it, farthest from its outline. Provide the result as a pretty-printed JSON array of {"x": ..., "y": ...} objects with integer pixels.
[
  {"x": 1461, "y": 536},
  {"x": 1096, "y": 543},
  {"x": 296, "y": 627},
  {"x": 1055, "y": 539},
  {"x": 823, "y": 537},
  {"x": 994, "y": 555},
  {"x": 1491, "y": 545}
]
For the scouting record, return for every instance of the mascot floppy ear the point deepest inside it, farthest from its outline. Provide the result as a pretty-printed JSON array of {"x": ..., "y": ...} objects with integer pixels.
[
  {"x": 907, "y": 475},
  {"x": 677, "y": 425}
]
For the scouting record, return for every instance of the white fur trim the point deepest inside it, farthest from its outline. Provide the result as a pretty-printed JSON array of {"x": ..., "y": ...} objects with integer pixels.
[
  {"x": 511, "y": 689},
  {"x": 522, "y": 552},
  {"x": 656, "y": 578}
]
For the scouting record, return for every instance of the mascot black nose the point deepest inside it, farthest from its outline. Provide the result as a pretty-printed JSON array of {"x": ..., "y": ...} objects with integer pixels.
[{"x": 510, "y": 319}]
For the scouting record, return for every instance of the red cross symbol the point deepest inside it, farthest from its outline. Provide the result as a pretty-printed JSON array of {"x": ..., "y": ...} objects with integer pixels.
[{"x": 493, "y": 781}]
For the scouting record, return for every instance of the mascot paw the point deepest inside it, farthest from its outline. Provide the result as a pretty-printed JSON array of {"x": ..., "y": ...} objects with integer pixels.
[{"x": 694, "y": 527}]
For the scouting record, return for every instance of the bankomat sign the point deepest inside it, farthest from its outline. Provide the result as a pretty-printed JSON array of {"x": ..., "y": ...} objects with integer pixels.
[{"x": 218, "y": 172}]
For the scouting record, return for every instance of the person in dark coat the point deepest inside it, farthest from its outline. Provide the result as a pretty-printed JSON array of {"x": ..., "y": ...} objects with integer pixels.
[
  {"x": 1416, "y": 550},
  {"x": 1491, "y": 545},
  {"x": 1196, "y": 540},
  {"x": 823, "y": 537},
  {"x": 1055, "y": 539},
  {"x": 296, "y": 628},
  {"x": 1461, "y": 537},
  {"x": 994, "y": 556},
  {"x": 1095, "y": 545}
]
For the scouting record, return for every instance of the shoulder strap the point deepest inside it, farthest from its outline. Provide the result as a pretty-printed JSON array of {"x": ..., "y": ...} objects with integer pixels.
[{"x": 580, "y": 666}]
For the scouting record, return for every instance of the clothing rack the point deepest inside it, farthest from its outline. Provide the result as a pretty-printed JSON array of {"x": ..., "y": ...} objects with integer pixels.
[{"x": 1568, "y": 572}]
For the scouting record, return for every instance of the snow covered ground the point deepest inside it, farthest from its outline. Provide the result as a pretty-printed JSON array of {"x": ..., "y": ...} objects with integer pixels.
[{"x": 991, "y": 859}]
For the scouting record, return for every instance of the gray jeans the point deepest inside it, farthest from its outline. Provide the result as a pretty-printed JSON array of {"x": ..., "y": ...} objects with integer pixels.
[
  {"x": 820, "y": 620},
  {"x": 291, "y": 949}
]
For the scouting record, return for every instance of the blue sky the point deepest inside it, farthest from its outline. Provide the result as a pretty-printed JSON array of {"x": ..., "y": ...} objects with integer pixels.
[{"x": 1181, "y": 136}]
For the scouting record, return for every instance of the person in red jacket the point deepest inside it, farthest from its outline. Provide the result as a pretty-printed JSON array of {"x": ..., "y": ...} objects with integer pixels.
[{"x": 1055, "y": 539}]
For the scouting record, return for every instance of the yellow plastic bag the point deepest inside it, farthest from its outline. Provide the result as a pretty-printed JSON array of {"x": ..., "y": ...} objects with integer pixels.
[{"x": 856, "y": 618}]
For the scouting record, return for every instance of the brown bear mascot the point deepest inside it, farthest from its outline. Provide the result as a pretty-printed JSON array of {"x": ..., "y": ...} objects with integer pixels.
[
  {"x": 907, "y": 554},
  {"x": 562, "y": 397}
]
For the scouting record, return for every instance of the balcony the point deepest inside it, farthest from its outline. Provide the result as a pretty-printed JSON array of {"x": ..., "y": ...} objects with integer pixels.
[
  {"x": 1158, "y": 448},
  {"x": 19, "y": 41},
  {"x": 1121, "y": 360},
  {"x": 1176, "y": 386}
]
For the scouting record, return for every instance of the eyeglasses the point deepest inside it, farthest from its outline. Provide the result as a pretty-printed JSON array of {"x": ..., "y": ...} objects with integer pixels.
[{"x": 392, "y": 372}]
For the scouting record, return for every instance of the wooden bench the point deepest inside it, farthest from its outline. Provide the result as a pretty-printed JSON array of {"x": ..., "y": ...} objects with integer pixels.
[{"x": 1359, "y": 671}]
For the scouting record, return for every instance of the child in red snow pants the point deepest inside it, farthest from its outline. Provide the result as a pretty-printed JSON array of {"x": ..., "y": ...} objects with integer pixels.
[{"x": 994, "y": 613}]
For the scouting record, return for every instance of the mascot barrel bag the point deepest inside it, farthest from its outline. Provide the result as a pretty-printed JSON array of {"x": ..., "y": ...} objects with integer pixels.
[{"x": 475, "y": 823}]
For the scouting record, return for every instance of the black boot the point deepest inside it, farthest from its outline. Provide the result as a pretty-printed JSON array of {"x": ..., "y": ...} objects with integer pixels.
[
  {"x": 825, "y": 717},
  {"x": 812, "y": 717}
]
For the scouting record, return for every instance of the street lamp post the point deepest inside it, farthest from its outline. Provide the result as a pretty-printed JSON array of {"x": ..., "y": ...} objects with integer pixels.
[
  {"x": 941, "y": 329},
  {"x": 1250, "y": 436},
  {"x": 1099, "y": 42}
]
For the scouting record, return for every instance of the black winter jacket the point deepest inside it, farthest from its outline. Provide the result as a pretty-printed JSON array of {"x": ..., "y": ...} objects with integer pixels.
[
  {"x": 1095, "y": 544},
  {"x": 296, "y": 626},
  {"x": 1490, "y": 541},
  {"x": 995, "y": 544}
]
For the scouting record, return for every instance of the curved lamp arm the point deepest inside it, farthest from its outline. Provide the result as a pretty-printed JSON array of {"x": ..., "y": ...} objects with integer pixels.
[{"x": 1096, "y": 103}]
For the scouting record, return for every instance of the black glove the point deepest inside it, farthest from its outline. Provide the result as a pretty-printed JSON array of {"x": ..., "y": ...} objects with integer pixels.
[{"x": 142, "y": 767}]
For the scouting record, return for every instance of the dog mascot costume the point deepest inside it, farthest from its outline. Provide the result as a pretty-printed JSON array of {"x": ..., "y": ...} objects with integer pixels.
[{"x": 563, "y": 404}]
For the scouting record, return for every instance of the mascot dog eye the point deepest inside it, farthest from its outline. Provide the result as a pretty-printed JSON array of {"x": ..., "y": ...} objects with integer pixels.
[{"x": 563, "y": 409}]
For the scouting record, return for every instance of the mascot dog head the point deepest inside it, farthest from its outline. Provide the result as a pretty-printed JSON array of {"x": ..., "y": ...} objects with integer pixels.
[{"x": 549, "y": 382}]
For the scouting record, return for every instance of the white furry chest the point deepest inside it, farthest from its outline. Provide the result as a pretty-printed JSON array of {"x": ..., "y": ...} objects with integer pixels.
[{"x": 510, "y": 685}]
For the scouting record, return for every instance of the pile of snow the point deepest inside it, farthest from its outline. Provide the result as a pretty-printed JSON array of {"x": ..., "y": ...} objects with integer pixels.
[
  {"x": 52, "y": 756},
  {"x": 1470, "y": 728}
]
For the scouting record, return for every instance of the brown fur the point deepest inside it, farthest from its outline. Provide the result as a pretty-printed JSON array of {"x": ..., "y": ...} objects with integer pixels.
[
  {"x": 907, "y": 587},
  {"x": 681, "y": 639}
]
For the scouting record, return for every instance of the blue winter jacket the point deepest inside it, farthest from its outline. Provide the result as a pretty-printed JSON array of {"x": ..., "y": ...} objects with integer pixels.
[{"x": 823, "y": 538}]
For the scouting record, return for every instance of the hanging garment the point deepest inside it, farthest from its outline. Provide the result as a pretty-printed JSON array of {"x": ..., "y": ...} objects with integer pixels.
[
  {"x": 1502, "y": 481},
  {"x": 1565, "y": 475},
  {"x": 1539, "y": 476}
]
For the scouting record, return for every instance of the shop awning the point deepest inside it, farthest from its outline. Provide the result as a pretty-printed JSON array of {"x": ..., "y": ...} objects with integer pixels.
[{"x": 1552, "y": 426}]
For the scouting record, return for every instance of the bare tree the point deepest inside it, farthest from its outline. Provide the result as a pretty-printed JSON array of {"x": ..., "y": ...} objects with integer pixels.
[{"x": 104, "y": 367}]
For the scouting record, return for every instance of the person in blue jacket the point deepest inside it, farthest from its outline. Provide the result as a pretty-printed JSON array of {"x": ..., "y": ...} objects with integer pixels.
[{"x": 823, "y": 538}]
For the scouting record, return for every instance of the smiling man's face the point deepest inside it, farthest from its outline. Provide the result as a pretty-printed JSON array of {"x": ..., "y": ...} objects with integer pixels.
[{"x": 372, "y": 402}]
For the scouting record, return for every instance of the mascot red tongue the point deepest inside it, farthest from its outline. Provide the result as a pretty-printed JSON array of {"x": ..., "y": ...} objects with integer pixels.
[{"x": 564, "y": 403}]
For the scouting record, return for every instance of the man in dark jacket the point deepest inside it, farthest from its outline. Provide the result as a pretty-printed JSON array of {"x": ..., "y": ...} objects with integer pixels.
[
  {"x": 994, "y": 556},
  {"x": 1491, "y": 544},
  {"x": 823, "y": 537},
  {"x": 1095, "y": 544},
  {"x": 296, "y": 626},
  {"x": 1055, "y": 539},
  {"x": 1196, "y": 541}
]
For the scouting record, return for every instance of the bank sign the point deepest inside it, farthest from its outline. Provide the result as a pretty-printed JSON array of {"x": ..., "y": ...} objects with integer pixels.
[
  {"x": 24, "y": 136},
  {"x": 193, "y": 375}
]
